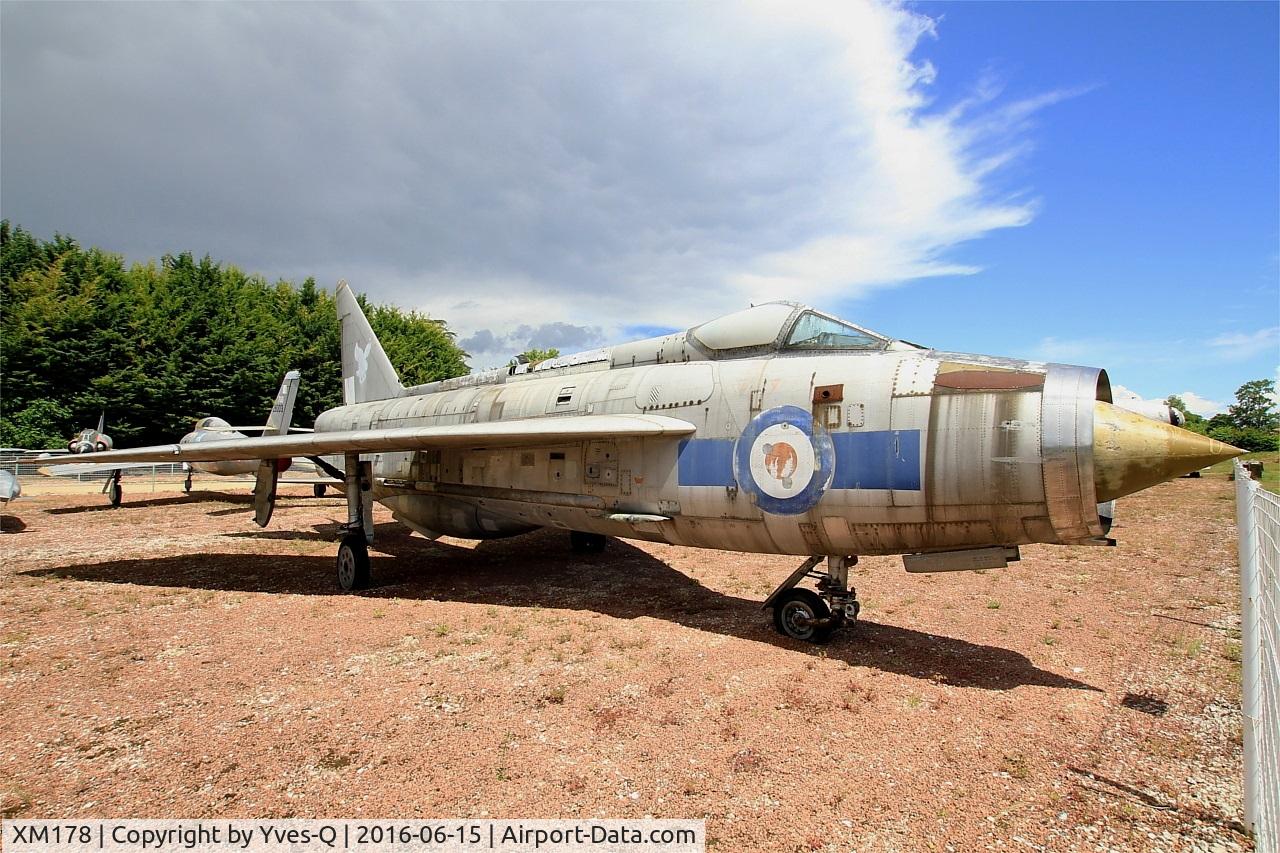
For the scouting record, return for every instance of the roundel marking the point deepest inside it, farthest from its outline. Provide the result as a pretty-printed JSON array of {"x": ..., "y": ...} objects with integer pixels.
[{"x": 785, "y": 460}]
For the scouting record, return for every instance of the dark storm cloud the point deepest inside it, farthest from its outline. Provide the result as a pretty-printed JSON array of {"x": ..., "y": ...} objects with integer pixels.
[
  {"x": 565, "y": 337},
  {"x": 599, "y": 165}
]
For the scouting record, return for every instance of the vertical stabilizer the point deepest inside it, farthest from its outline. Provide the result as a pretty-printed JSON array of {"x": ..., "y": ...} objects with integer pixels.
[
  {"x": 102, "y": 422},
  {"x": 367, "y": 374},
  {"x": 281, "y": 417}
]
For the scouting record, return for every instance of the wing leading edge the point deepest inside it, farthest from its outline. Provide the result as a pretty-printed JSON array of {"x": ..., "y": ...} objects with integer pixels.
[{"x": 526, "y": 432}]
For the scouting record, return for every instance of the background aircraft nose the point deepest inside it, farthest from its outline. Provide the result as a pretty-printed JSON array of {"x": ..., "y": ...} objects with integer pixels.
[{"x": 1132, "y": 452}]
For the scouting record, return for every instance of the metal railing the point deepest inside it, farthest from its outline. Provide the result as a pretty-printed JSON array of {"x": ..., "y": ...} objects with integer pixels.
[
  {"x": 27, "y": 467},
  {"x": 1258, "y": 519}
]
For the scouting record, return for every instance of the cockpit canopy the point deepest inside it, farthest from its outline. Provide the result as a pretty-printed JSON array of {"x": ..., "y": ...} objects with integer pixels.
[
  {"x": 784, "y": 326},
  {"x": 207, "y": 423}
]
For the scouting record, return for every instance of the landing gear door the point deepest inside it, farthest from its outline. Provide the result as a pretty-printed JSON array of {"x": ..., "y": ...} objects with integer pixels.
[{"x": 264, "y": 491}]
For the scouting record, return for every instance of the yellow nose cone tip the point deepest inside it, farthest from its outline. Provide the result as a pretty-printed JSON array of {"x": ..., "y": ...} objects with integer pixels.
[{"x": 1132, "y": 452}]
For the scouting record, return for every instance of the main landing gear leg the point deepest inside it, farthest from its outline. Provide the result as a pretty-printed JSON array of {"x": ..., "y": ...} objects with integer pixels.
[
  {"x": 353, "y": 549},
  {"x": 814, "y": 616}
]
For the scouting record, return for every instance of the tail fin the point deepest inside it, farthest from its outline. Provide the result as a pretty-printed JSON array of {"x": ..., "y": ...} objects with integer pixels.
[
  {"x": 102, "y": 422},
  {"x": 282, "y": 411},
  {"x": 367, "y": 374}
]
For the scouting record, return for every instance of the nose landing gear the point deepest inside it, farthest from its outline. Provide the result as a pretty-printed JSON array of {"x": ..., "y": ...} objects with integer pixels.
[{"x": 815, "y": 616}]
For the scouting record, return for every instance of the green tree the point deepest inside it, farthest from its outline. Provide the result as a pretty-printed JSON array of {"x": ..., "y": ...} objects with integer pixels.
[
  {"x": 1255, "y": 406},
  {"x": 1251, "y": 423},
  {"x": 533, "y": 356},
  {"x": 42, "y": 424},
  {"x": 159, "y": 344}
]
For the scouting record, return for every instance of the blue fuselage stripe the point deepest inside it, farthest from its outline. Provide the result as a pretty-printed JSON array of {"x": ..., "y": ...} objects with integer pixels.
[
  {"x": 706, "y": 462},
  {"x": 877, "y": 460},
  {"x": 888, "y": 459}
]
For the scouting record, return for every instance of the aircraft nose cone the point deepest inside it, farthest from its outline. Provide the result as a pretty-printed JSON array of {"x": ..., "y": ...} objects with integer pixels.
[{"x": 1132, "y": 452}]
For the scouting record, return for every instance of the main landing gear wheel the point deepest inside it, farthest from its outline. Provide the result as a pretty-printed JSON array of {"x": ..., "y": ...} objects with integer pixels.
[
  {"x": 586, "y": 543},
  {"x": 186, "y": 484},
  {"x": 815, "y": 616},
  {"x": 318, "y": 490},
  {"x": 115, "y": 493},
  {"x": 801, "y": 614},
  {"x": 353, "y": 563}
]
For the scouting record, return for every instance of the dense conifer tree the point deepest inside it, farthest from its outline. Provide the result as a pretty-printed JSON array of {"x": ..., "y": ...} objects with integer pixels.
[{"x": 158, "y": 345}]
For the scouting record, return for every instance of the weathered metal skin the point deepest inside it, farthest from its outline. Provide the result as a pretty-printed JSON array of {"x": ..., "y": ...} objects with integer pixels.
[
  {"x": 776, "y": 429},
  {"x": 928, "y": 451}
]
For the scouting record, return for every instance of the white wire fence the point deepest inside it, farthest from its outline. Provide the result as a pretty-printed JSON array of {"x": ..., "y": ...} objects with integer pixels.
[
  {"x": 27, "y": 467},
  {"x": 1258, "y": 518}
]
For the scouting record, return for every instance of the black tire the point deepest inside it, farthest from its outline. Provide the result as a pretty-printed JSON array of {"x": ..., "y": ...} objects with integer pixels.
[
  {"x": 186, "y": 484},
  {"x": 353, "y": 563},
  {"x": 115, "y": 493},
  {"x": 801, "y": 603},
  {"x": 587, "y": 543},
  {"x": 318, "y": 490}
]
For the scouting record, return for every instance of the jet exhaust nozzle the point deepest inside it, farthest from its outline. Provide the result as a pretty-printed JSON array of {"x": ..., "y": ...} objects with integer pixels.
[{"x": 1132, "y": 452}]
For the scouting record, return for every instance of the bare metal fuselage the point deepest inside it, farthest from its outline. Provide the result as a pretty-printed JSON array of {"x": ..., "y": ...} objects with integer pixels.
[{"x": 924, "y": 451}]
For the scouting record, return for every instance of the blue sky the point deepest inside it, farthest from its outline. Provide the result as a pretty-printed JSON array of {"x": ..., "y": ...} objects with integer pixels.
[
  {"x": 1093, "y": 183},
  {"x": 1157, "y": 228}
]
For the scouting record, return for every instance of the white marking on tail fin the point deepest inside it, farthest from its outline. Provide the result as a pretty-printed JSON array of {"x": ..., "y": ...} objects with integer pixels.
[
  {"x": 362, "y": 361},
  {"x": 367, "y": 373}
]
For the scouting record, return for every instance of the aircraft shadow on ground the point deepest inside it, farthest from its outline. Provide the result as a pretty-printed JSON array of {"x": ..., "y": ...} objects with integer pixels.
[
  {"x": 245, "y": 498},
  {"x": 539, "y": 570},
  {"x": 11, "y": 524}
]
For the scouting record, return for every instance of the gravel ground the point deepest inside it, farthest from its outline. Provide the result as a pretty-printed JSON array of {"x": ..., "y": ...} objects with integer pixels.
[{"x": 169, "y": 659}]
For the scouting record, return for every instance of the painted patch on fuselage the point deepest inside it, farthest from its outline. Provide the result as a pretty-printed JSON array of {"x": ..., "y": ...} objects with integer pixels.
[
  {"x": 705, "y": 462},
  {"x": 877, "y": 459},
  {"x": 885, "y": 459},
  {"x": 785, "y": 460}
]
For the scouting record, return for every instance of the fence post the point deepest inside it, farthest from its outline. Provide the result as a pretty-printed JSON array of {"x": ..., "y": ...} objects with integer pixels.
[{"x": 1250, "y": 639}]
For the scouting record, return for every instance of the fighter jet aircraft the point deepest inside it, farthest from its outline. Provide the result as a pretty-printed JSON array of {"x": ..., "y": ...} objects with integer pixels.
[
  {"x": 1157, "y": 410},
  {"x": 211, "y": 429},
  {"x": 10, "y": 488},
  {"x": 777, "y": 429},
  {"x": 91, "y": 440}
]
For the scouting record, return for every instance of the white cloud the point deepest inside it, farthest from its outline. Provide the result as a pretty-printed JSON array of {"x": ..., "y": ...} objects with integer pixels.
[
  {"x": 1194, "y": 402},
  {"x": 1200, "y": 405},
  {"x": 508, "y": 165},
  {"x": 1245, "y": 345}
]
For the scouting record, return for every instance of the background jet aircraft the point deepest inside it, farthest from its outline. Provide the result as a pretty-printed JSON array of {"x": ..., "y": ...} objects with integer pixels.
[
  {"x": 208, "y": 430},
  {"x": 10, "y": 488},
  {"x": 1157, "y": 410},
  {"x": 777, "y": 429},
  {"x": 91, "y": 440}
]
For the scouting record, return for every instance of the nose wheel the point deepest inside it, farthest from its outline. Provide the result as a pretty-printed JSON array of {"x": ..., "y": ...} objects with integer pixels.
[{"x": 814, "y": 617}]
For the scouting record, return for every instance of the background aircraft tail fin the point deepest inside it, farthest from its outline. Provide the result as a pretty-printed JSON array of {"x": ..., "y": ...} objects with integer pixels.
[
  {"x": 282, "y": 410},
  {"x": 102, "y": 422},
  {"x": 367, "y": 373}
]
